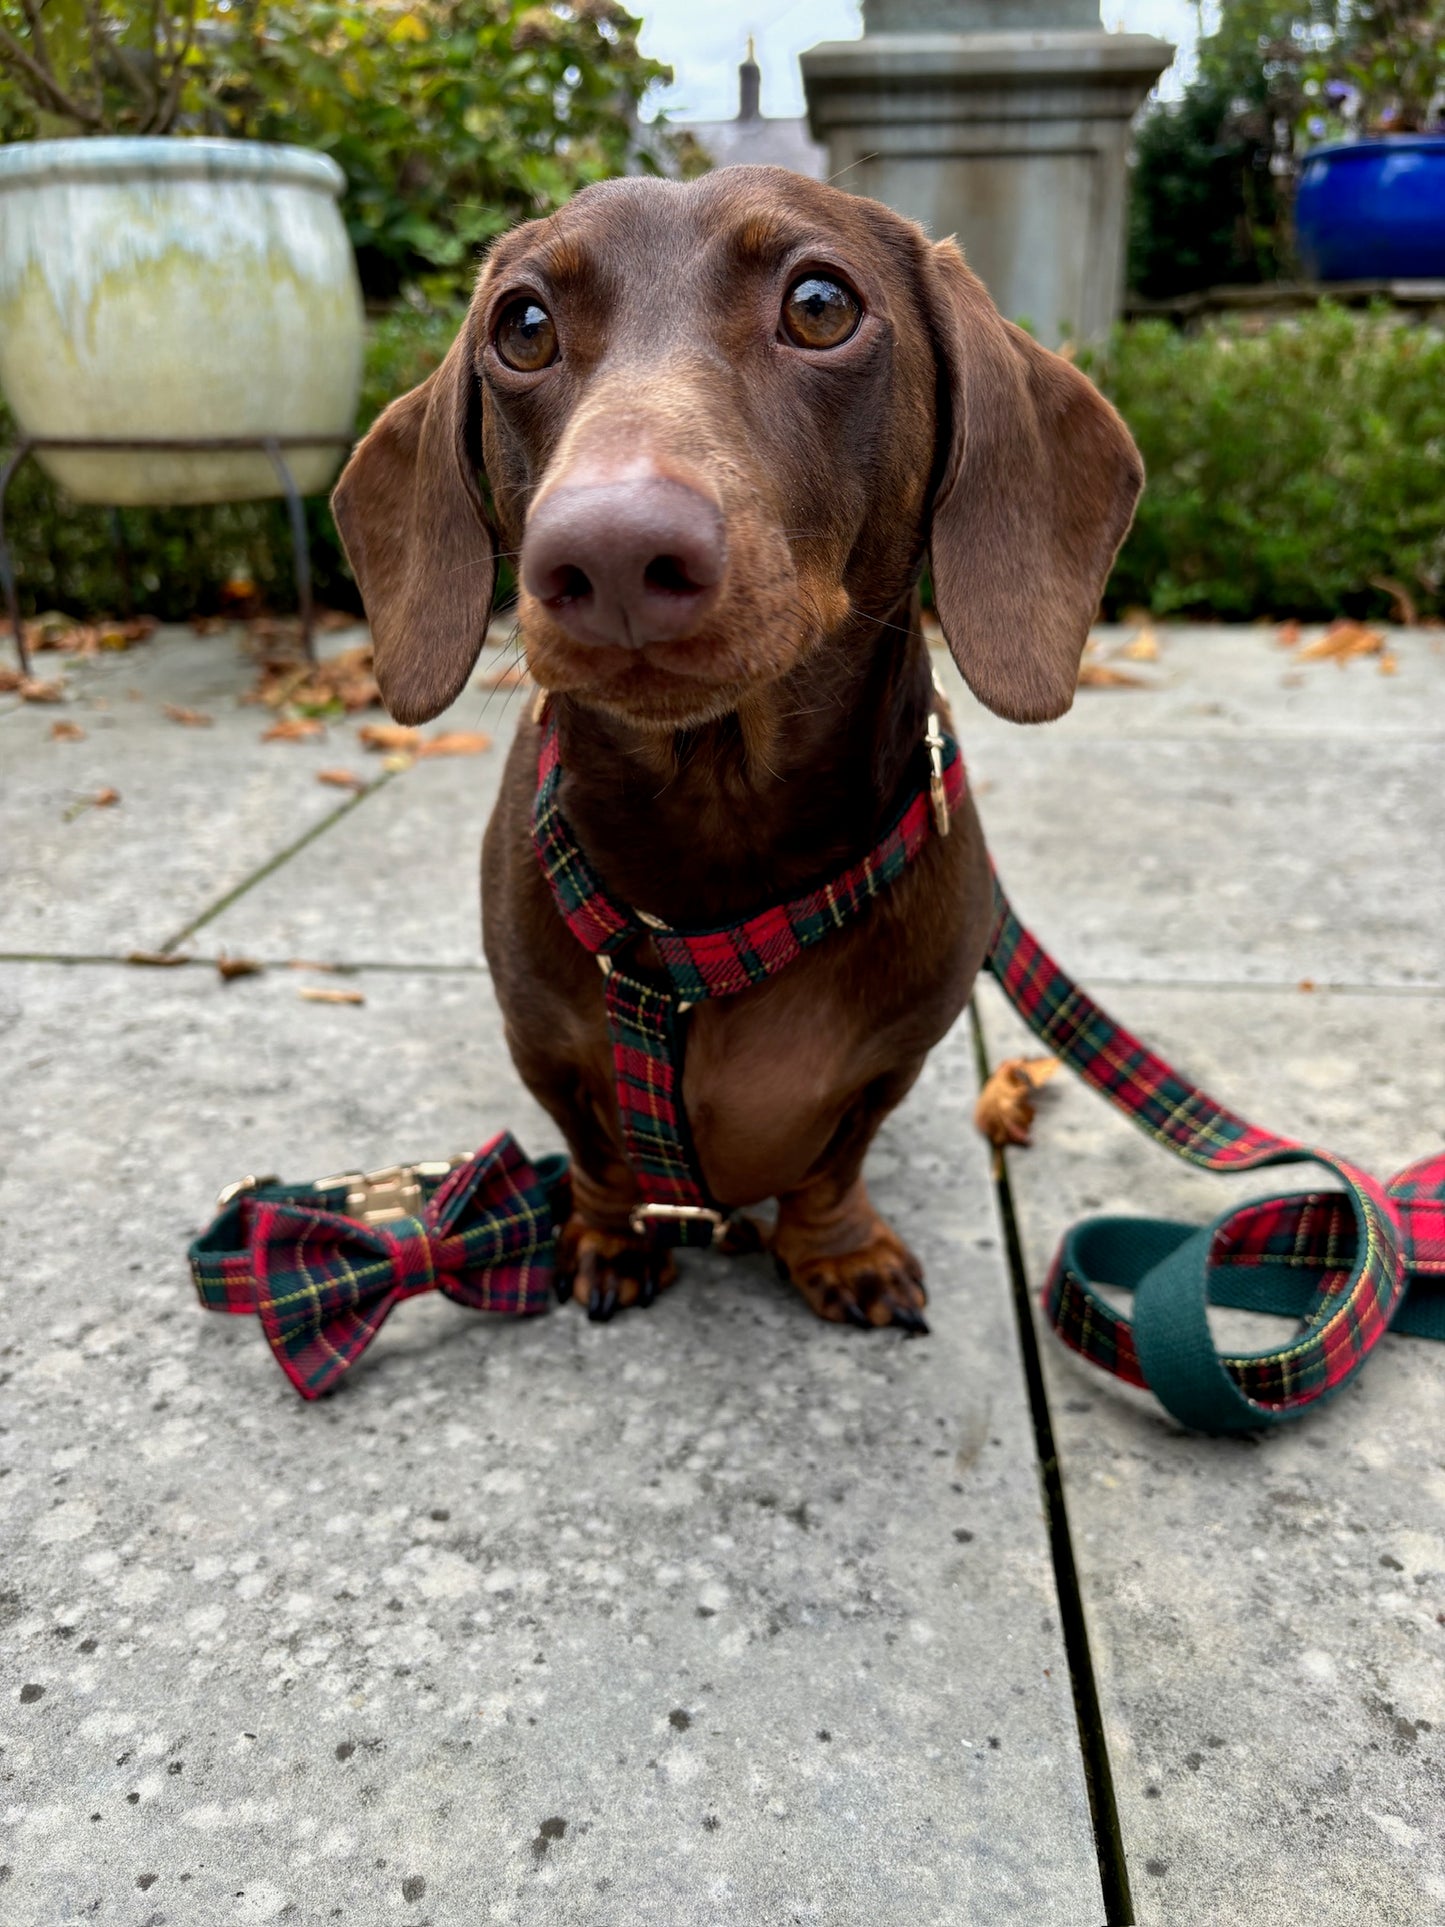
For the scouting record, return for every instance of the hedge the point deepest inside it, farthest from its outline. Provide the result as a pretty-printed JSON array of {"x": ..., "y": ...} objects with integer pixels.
[{"x": 1290, "y": 471}]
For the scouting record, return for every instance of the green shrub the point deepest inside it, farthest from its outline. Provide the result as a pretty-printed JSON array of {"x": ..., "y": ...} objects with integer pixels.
[
  {"x": 450, "y": 119},
  {"x": 1287, "y": 470}
]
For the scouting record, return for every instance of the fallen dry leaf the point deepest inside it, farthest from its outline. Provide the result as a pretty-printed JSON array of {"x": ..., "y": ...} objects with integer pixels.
[
  {"x": 1005, "y": 1107},
  {"x": 188, "y": 718},
  {"x": 156, "y": 959},
  {"x": 229, "y": 967},
  {"x": 305, "y": 963},
  {"x": 1389, "y": 663},
  {"x": 293, "y": 729},
  {"x": 341, "y": 779},
  {"x": 1403, "y": 607},
  {"x": 342, "y": 683},
  {"x": 89, "y": 639},
  {"x": 455, "y": 742},
  {"x": 314, "y": 995},
  {"x": 66, "y": 733},
  {"x": 1306, "y": 983},
  {"x": 1288, "y": 635},
  {"x": 390, "y": 736},
  {"x": 29, "y": 688},
  {"x": 103, "y": 799},
  {"x": 1099, "y": 675},
  {"x": 396, "y": 763},
  {"x": 1341, "y": 641},
  {"x": 1144, "y": 647}
]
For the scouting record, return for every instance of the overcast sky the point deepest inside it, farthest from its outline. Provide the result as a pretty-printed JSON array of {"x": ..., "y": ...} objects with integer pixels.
[{"x": 703, "y": 41}]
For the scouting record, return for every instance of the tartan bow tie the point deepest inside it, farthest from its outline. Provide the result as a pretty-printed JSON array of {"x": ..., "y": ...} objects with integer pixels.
[{"x": 323, "y": 1265}]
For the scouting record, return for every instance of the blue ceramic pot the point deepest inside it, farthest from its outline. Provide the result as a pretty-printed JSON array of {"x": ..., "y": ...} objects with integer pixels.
[{"x": 1373, "y": 210}]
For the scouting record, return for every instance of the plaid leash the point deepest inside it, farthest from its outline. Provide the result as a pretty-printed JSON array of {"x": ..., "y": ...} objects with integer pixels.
[
  {"x": 1340, "y": 1262},
  {"x": 323, "y": 1265},
  {"x": 646, "y": 1008}
]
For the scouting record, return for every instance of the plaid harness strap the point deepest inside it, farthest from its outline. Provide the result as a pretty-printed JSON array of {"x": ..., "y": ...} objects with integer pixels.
[
  {"x": 323, "y": 1265},
  {"x": 646, "y": 1009}
]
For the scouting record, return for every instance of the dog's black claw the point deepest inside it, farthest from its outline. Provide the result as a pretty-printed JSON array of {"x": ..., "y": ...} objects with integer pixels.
[
  {"x": 562, "y": 1288},
  {"x": 856, "y": 1315},
  {"x": 647, "y": 1290},
  {"x": 601, "y": 1304},
  {"x": 911, "y": 1320}
]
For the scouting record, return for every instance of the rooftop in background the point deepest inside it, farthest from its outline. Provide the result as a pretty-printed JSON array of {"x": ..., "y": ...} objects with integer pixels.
[
  {"x": 754, "y": 139},
  {"x": 701, "y": 42}
]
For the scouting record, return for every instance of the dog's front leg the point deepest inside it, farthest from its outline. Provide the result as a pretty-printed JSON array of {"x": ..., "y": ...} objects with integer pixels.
[
  {"x": 847, "y": 1262},
  {"x": 601, "y": 1261}
]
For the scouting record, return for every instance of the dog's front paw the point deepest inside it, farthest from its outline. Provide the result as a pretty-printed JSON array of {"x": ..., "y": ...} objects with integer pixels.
[
  {"x": 879, "y": 1283},
  {"x": 607, "y": 1271}
]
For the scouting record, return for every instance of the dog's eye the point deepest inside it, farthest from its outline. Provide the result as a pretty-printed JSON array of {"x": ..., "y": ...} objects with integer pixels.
[
  {"x": 526, "y": 337},
  {"x": 820, "y": 313}
]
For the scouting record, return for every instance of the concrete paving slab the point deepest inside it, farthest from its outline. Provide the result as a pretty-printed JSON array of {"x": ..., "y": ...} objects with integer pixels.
[
  {"x": 1264, "y": 862},
  {"x": 714, "y": 1614},
  {"x": 1267, "y": 1617},
  {"x": 1272, "y": 819},
  {"x": 398, "y": 882},
  {"x": 200, "y": 809},
  {"x": 203, "y": 810},
  {"x": 1233, "y": 679}
]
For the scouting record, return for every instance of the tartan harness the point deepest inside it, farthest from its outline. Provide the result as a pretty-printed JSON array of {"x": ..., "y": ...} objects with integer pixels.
[{"x": 322, "y": 1265}]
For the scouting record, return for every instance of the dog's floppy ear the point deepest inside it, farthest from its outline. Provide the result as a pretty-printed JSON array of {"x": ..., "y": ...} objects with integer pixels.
[
  {"x": 1036, "y": 492},
  {"x": 416, "y": 534}
]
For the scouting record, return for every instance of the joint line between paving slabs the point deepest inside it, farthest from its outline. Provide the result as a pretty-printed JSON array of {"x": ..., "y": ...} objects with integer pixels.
[
  {"x": 1093, "y": 1743},
  {"x": 273, "y": 864}
]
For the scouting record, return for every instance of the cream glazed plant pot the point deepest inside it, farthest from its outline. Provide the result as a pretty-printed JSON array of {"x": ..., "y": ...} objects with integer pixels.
[{"x": 155, "y": 289}]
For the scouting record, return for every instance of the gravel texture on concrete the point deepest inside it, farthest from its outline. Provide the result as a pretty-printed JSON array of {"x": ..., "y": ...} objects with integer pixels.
[
  {"x": 711, "y": 1614},
  {"x": 714, "y": 1614}
]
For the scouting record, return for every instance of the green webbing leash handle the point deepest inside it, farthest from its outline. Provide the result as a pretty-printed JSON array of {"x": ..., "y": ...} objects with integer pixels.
[{"x": 1339, "y": 1262}]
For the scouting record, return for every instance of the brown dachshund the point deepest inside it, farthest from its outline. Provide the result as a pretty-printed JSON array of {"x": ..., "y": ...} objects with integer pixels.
[{"x": 724, "y": 426}]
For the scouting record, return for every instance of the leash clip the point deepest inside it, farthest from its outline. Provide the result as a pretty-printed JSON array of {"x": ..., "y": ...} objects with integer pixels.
[
  {"x": 937, "y": 795},
  {"x": 381, "y": 1197},
  {"x": 642, "y": 1215}
]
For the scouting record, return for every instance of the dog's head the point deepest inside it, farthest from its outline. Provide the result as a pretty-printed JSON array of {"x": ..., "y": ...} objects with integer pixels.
[{"x": 718, "y": 424}]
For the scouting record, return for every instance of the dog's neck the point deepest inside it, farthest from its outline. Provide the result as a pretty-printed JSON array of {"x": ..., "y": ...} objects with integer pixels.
[{"x": 705, "y": 826}]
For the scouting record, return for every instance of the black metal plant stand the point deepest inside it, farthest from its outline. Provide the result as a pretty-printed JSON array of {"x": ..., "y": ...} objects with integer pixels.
[{"x": 273, "y": 446}]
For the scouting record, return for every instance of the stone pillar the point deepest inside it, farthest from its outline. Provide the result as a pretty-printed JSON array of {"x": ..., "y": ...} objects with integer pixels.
[{"x": 1005, "y": 123}]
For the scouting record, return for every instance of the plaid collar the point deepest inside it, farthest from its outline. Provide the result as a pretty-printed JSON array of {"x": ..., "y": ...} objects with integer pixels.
[{"x": 646, "y": 1007}]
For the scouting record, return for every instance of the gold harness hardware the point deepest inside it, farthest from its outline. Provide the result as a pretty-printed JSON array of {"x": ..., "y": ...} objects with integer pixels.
[
  {"x": 642, "y": 1215},
  {"x": 937, "y": 794}
]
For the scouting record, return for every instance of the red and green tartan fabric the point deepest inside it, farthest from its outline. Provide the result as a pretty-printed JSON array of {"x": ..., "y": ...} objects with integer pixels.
[
  {"x": 323, "y": 1284},
  {"x": 1346, "y": 1265},
  {"x": 645, "y": 1009},
  {"x": 1340, "y": 1262}
]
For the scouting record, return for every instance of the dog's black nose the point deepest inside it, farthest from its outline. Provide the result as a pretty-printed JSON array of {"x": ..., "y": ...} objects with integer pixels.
[{"x": 625, "y": 562}]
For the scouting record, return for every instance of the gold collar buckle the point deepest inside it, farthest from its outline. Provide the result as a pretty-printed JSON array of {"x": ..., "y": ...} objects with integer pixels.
[{"x": 381, "y": 1197}]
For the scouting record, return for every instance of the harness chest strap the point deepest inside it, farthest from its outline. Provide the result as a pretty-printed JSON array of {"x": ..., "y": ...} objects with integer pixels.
[
  {"x": 322, "y": 1266},
  {"x": 646, "y": 1008}
]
